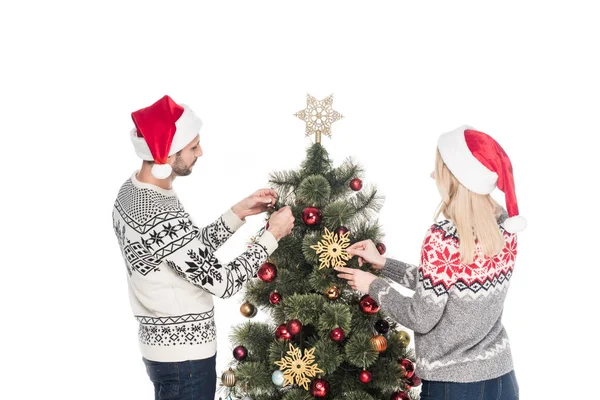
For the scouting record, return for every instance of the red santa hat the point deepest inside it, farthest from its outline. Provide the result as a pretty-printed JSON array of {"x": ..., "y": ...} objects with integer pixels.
[
  {"x": 161, "y": 130},
  {"x": 480, "y": 164}
]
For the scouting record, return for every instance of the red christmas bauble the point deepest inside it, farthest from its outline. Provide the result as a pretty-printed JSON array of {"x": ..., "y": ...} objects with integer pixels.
[
  {"x": 282, "y": 333},
  {"x": 413, "y": 381},
  {"x": 337, "y": 334},
  {"x": 368, "y": 305},
  {"x": 319, "y": 388},
  {"x": 267, "y": 272},
  {"x": 399, "y": 396},
  {"x": 294, "y": 327},
  {"x": 356, "y": 184},
  {"x": 240, "y": 353},
  {"x": 407, "y": 368},
  {"x": 365, "y": 376},
  {"x": 382, "y": 326},
  {"x": 380, "y": 248},
  {"x": 275, "y": 298},
  {"x": 312, "y": 216},
  {"x": 341, "y": 230}
]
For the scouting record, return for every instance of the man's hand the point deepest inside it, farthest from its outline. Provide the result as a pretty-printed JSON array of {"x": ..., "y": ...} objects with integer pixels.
[
  {"x": 258, "y": 202},
  {"x": 281, "y": 222}
]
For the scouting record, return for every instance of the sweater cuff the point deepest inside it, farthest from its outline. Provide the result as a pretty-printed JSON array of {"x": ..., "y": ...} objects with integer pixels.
[
  {"x": 268, "y": 241},
  {"x": 377, "y": 286},
  {"x": 232, "y": 221},
  {"x": 393, "y": 269}
]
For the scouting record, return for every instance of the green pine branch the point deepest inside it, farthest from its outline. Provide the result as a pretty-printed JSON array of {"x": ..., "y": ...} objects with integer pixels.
[
  {"x": 360, "y": 351},
  {"x": 314, "y": 190},
  {"x": 341, "y": 176},
  {"x": 317, "y": 161},
  {"x": 367, "y": 202},
  {"x": 335, "y": 315},
  {"x": 305, "y": 307}
]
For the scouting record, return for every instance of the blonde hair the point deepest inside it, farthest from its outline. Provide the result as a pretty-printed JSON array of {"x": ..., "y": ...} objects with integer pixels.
[{"x": 474, "y": 215}]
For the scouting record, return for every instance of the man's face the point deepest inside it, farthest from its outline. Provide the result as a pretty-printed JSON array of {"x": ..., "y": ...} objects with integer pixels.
[{"x": 187, "y": 157}]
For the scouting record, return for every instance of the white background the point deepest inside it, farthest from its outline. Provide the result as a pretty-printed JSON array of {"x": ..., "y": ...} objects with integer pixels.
[{"x": 71, "y": 73}]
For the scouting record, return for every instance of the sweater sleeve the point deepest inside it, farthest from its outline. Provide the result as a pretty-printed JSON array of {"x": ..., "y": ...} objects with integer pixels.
[
  {"x": 422, "y": 311},
  {"x": 400, "y": 272},
  {"x": 214, "y": 235},
  {"x": 188, "y": 251}
]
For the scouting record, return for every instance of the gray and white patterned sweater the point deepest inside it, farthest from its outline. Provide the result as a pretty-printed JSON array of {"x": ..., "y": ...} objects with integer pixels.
[
  {"x": 172, "y": 272},
  {"x": 456, "y": 310}
]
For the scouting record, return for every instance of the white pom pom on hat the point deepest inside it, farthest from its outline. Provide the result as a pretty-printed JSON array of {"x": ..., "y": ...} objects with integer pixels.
[
  {"x": 161, "y": 171},
  {"x": 480, "y": 164},
  {"x": 161, "y": 130}
]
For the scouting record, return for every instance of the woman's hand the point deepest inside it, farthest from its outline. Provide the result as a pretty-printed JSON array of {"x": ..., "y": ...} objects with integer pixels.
[
  {"x": 357, "y": 279},
  {"x": 367, "y": 252}
]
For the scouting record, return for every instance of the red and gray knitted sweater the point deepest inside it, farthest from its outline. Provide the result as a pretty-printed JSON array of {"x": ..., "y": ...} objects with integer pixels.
[{"x": 456, "y": 310}]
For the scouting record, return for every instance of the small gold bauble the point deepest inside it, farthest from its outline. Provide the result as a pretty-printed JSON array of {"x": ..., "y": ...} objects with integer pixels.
[
  {"x": 228, "y": 378},
  {"x": 248, "y": 310},
  {"x": 332, "y": 293},
  {"x": 404, "y": 338},
  {"x": 379, "y": 343}
]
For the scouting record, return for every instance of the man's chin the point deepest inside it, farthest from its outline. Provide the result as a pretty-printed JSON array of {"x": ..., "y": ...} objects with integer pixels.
[{"x": 183, "y": 173}]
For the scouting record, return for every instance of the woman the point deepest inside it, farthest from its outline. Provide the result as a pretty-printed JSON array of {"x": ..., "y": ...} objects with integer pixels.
[{"x": 467, "y": 261}]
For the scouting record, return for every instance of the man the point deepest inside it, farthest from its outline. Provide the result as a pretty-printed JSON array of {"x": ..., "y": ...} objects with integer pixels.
[{"x": 173, "y": 273}]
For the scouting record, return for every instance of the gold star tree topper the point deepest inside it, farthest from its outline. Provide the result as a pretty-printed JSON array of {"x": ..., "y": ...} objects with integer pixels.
[
  {"x": 298, "y": 368},
  {"x": 332, "y": 249},
  {"x": 319, "y": 115}
]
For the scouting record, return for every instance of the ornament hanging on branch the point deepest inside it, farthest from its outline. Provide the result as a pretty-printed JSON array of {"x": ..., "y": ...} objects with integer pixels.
[
  {"x": 275, "y": 298},
  {"x": 413, "y": 381},
  {"x": 368, "y": 305},
  {"x": 399, "y": 396},
  {"x": 407, "y": 368},
  {"x": 281, "y": 333},
  {"x": 298, "y": 368},
  {"x": 294, "y": 327},
  {"x": 365, "y": 377},
  {"x": 248, "y": 310},
  {"x": 228, "y": 378},
  {"x": 404, "y": 338},
  {"x": 319, "y": 388},
  {"x": 332, "y": 250},
  {"x": 382, "y": 326},
  {"x": 379, "y": 343},
  {"x": 240, "y": 353},
  {"x": 332, "y": 293},
  {"x": 312, "y": 216},
  {"x": 277, "y": 378},
  {"x": 267, "y": 272},
  {"x": 356, "y": 184},
  {"x": 341, "y": 231},
  {"x": 337, "y": 334}
]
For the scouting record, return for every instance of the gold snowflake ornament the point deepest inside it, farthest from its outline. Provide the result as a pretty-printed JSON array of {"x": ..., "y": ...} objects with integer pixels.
[
  {"x": 298, "y": 368},
  {"x": 332, "y": 249},
  {"x": 319, "y": 115}
]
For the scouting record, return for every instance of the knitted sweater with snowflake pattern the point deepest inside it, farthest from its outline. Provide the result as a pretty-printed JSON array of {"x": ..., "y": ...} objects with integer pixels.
[
  {"x": 456, "y": 310},
  {"x": 172, "y": 272}
]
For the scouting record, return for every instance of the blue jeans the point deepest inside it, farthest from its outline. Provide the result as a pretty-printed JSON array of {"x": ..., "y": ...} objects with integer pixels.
[
  {"x": 185, "y": 380},
  {"x": 502, "y": 388}
]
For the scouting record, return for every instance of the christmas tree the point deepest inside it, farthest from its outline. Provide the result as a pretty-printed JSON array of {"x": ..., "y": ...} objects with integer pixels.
[{"x": 326, "y": 340}]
